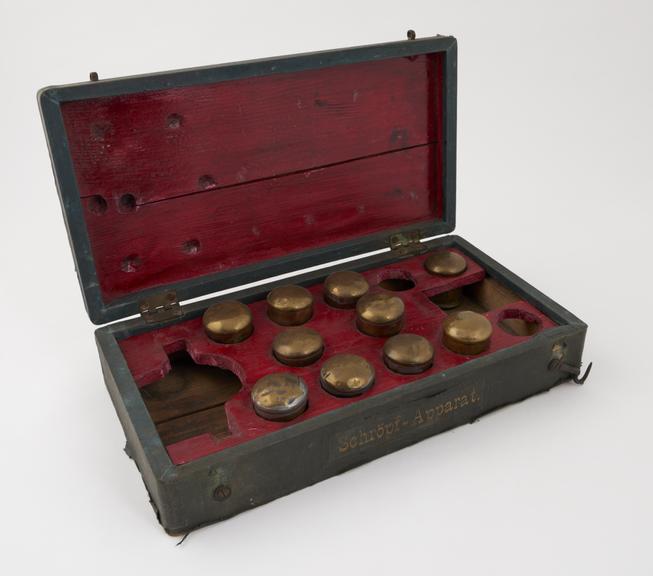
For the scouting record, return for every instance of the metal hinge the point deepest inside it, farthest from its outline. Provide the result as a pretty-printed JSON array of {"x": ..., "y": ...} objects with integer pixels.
[
  {"x": 407, "y": 244},
  {"x": 160, "y": 307}
]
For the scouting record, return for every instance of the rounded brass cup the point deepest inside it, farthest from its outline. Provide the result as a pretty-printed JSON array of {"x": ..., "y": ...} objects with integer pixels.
[
  {"x": 449, "y": 299},
  {"x": 343, "y": 289},
  {"x": 297, "y": 346},
  {"x": 346, "y": 375},
  {"x": 380, "y": 314},
  {"x": 445, "y": 263},
  {"x": 280, "y": 396},
  {"x": 467, "y": 333},
  {"x": 290, "y": 305},
  {"x": 228, "y": 322},
  {"x": 408, "y": 354}
]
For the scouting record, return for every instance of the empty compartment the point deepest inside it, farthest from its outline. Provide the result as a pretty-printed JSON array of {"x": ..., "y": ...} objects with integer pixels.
[
  {"x": 481, "y": 297},
  {"x": 396, "y": 280},
  {"x": 519, "y": 322},
  {"x": 189, "y": 400}
]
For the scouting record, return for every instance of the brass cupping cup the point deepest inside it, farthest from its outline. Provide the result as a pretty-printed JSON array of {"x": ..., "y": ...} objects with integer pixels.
[
  {"x": 290, "y": 305},
  {"x": 449, "y": 299},
  {"x": 346, "y": 375},
  {"x": 343, "y": 289},
  {"x": 408, "y": 354},
  {"x": 297, "y": 346},
  {"x": 467, "y": 333},
  {"x": 380, "y": 314},
  {"x": 280, "y": 396},
  {"x": 445, "y": 263},
  {"x": 228, "y": 322}
]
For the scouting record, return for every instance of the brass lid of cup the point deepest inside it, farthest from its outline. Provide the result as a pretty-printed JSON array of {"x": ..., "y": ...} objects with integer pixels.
[
  {"x": 228, "y": 322},
  {"x": 343, "y": 289},
  {"x": 380, "y": 314},
  {"x": 466, "y": 333},
  {"x": 346, "y": 375},
  {"x": 290, "y": 305},
  {"x": 280, "y": 396},
  {"x": 408, "y": 354},
  {"x": 445, "y": 263},
  {"x": 297, "y": 346}
]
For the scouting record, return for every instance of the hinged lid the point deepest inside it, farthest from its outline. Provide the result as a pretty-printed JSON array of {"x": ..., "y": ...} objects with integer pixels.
[{"x": 205, "y": 179}]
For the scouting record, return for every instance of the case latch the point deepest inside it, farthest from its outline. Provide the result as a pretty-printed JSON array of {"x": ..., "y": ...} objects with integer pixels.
[
  {"x": 160, "y": 307},
  {"x": 407, "y": 243}
]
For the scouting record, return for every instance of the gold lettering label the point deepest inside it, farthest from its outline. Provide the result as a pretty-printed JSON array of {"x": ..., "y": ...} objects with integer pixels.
[{"x": 432, "y": 413}]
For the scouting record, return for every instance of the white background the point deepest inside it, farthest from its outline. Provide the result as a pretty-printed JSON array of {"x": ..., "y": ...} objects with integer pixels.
[{"x": 554, "y": 181}]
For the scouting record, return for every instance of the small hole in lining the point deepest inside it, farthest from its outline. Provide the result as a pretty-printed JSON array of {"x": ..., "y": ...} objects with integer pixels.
[
  {"x": 131, "y": 263},
  {"x": 97, "y": 204},
  {"x": 173, "y": 121},
  {"x": 191, "y": 246},
  {"x": 205, "y": 182},
  {"x": 127, "y": 203}
]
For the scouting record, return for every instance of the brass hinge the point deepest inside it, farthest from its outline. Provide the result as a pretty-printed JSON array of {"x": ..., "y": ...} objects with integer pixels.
[
  {"x": 407, "y": 244},
  {"x": 160, "y": 307}
]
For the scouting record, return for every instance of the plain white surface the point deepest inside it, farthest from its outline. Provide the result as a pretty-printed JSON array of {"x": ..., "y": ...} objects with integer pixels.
[{"x": 554, "y": 180}]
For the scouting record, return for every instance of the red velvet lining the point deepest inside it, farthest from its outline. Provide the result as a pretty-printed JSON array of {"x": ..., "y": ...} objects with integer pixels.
[
  {"x": 147, "y": 354},
  {"x": 189, "y": 181}
]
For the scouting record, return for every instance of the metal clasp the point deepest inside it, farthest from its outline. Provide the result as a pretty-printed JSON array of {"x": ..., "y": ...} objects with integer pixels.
[
  {"x": 558, "y": 363},
  {"x": 572, "y": 369}
]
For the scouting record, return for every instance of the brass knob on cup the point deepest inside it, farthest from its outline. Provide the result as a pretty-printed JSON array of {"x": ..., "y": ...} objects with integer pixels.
[
  {"x": 290, "y": 305},
  {"x": 343, "y": 289},
  {"x": 346, "y": 375},
  {"x": 279, "y": 396},
  {"x": 408, "y": 354},
  {"x": 297, "y": 346},
  {"x": 446, "y": 263},
  {"x": 228, "y": 322},
  {"x": 380, "y": 314},
  {"x": 467, "y": 333}
]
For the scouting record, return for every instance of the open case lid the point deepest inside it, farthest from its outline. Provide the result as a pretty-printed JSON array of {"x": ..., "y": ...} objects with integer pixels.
[{"x": 205, "y": 179}]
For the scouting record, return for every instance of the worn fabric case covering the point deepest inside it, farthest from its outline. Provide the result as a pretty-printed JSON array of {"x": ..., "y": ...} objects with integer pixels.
[{"x": 177, "y": 185}]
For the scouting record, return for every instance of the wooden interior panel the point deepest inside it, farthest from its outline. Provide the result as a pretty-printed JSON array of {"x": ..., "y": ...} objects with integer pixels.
[
  {"x": 490, "y": 294},
  {"x": 211, "y": 421},
  {"x": 189, "y": 400}
]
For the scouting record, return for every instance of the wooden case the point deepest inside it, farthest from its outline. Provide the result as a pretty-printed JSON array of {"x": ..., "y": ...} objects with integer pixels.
[{"x": 180, "y": 184}]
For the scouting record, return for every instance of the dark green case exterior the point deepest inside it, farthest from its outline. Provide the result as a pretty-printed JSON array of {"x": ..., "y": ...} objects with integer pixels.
[{"x": 236, "y": 479}]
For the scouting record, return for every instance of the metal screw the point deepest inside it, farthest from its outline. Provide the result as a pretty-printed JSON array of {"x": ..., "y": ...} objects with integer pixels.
[
  {"x": 222, "y": 492},
  {"x": 558, "y": 351}
]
